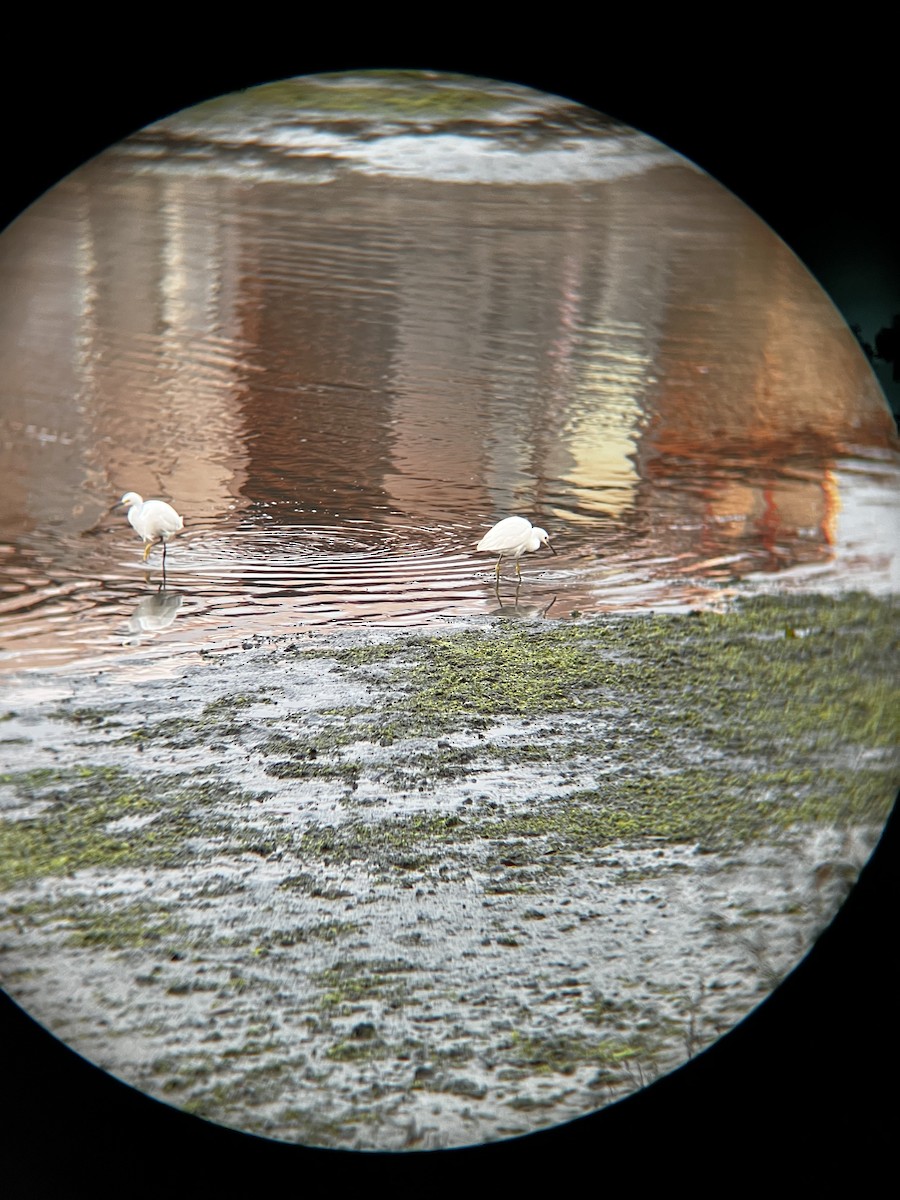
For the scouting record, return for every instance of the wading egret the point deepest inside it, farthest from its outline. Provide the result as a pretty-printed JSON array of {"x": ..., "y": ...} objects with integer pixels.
[
  {"x": 154, "y": 520},
  {"x": 511, "y": 538}
]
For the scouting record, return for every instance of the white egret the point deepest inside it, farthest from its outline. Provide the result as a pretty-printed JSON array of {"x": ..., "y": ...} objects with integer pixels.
[
  {"x": 154, "y": 520},
  {"x": 511, "y": 538}
]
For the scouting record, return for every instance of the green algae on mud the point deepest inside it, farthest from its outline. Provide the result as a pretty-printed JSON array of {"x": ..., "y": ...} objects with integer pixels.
[
  {"x": 385, "y": 94},
  {"x": 110, "y": 924},
  {"x": 829, "y": 661},
  {"x": 580, "y": 849},
  {"x": 714, "y": 728},
  {"x": 76, "y": 827}
]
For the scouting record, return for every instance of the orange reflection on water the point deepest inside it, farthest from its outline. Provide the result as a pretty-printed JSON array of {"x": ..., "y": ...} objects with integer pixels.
[{"x": 343, "y": 384}]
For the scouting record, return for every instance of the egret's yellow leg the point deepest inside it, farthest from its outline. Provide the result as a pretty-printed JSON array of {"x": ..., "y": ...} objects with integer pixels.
[
  {"x": 499, "y": 561},
  {"x": 147, "y": 549}
]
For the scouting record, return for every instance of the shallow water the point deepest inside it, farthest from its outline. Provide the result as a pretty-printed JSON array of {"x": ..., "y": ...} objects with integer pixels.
[{"x": 344, "y": 345}]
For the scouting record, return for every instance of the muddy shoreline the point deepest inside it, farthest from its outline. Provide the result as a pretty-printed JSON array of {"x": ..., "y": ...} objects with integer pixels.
[{"x": 383, "y": 891}]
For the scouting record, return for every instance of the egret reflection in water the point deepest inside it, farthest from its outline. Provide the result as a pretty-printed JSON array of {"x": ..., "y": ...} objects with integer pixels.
[
  {"x": 154, "y": 613},
  {"x": 521, "y": 612}
]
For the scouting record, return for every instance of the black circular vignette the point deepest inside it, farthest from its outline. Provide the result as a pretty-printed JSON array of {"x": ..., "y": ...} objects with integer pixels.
[{"x": 798, "y": 1086}]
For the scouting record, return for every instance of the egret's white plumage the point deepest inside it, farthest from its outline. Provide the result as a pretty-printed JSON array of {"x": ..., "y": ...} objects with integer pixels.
[
  {"x": 154, "y": 520},
  {"x": 511, "y": 538}
]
